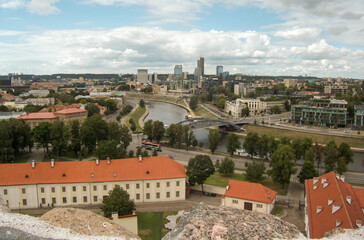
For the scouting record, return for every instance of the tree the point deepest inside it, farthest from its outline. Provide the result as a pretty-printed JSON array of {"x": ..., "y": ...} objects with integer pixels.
[
  {"x": 232, "y": 143},
  {"x": 282, "y": 165},
  {"x": 6, "y": 140},
  {"x": 308, "y": 170},
  {"x": 59, "y": 137},
  {"x": 178, "y": 132},
  {"x": 187, "y": 136},
  {"x": 171, "y": 134},
  {"x": 4, "y": 108},
  {"x": 262, "y": 146},
  {"x": 111, "y": 106},
  {"x": 109, "y": 148},
  {"x": 345, "y": 152},
  {"x": 318, "y": 153},
  {"x": 297, "y": 148},
  {"x": 272, "y": 145},
  {"x": 158, "y": 131},
  {"x": 287, "y": 106},
  {"x": 341, "y": 165},
  {"x": 285, "y": 141},
  {"x": 148, "y": 129},
  {"x": 221, "y": 102},
  {"x": 42, "y": 136},
  {"x": 245, "y": 112},
  {"x": 306, "y": 144},
  {"x": 330, "y": 152},
  {"x": 276, "y": 109},
  {"x": 117, "y": 201},
  {"x": 21, "y": 135},
  {"x": 131, "y": 153},
  {"x": 199, "y": 169},
  {"x": 132, "y": 125},
  {"x": 93, "y": 130},
  {"x": 255, "y": 171},
  {"x": 142, "y": 103},
  {"x": 119, "y": 133},
  {"x": 155, "y": 153},
  {"x": 250, "y": 142},
  {"x": 193, "y": 102},
  {"x": 92, "y": 109},
  {"x": 226, "y": 167},
  {"x": 214, "y": 138},
  {"x": 203, "y": 98},
  {"x": 75, "y": 138}
]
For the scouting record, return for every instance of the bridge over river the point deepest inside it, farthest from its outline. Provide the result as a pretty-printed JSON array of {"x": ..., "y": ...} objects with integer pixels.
[{"x": 205, "y": 122}]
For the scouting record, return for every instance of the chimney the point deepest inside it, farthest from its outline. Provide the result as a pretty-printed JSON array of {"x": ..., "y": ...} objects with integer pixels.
[
  {"x": 52, "y": 162},
  {"x": 108, "y": 160},
  {"x": 318, "y": 209},
  {"x": 33, "y": 163},
  {"x": 140, "y": 158},
  {"x": 335, "y": 208},
  {"x": 348, "y": 199},
  {"x": 330, "y": 201},
  {"x": 342, "y": 178},
  {"x": 97, "y": 162},
  {"x": 315, "y": 180}
]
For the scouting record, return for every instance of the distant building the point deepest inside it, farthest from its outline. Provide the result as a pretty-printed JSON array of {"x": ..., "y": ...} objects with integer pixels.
[
  {"x": 332, "y": 203},
  {"x": 178, "y": 70},
  {"x": 359, "y": 116},
  {"x": 255, "y": 106},
  {"x": 202, "y": 66},
  {"x": 142, "y": 76},
  {"x": 290, "y": 83},
  {"x": 39, "y": 92},
  {"x": 249, "y": 196},
  {"x": 81, "y": 183},
  {"x": 197, "y": 75},
  {"x": 225, "y": 76},
  {"x": 335, "y": 89},
  {"x": 321, "y": 112},
  {"x": 184, "y": 75},
  {"x": 154, "y": 78},
  {"x": 219, "y": 71}
]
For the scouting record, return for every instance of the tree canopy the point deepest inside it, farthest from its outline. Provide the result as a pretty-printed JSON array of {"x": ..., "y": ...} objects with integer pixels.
[
  {"x": 199, "y": 169},
  {"x": 117, "y": 201},
  {"x": 214, "y": 138},
  {"x": 232, "y": 143}
]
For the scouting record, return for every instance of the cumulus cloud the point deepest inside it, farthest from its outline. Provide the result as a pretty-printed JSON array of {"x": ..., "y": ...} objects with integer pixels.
[
  {"x": 43, "y": 7},
  {"x": 12, "y": 4},
  {"x": 126, "y": 49},
  {"x": 307, "y": 35}
]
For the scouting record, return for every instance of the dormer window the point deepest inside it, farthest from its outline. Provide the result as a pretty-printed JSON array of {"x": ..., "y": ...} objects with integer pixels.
[
  {"x": 26, "y": 176},
  {"x": 358, "y": 223},
  {"x": 318, "y": 209},
  {"x": 325, "y": 184},
  {"x": 315, "y": 180},
  {"x": 330, "y": 201},
  {"x": 147, "y": 171},
  {"x": 348, "y": 199},
  {"x": 323, "y": 180},
  {"x": 114, "y": 174},
  {"x": 335, "y": 208},
  {"x": 92, "y": 175},
  {"x": 314, "y": 187},
  {"x": 63, "y": 175},
  {"x": 338, "y": 222}
]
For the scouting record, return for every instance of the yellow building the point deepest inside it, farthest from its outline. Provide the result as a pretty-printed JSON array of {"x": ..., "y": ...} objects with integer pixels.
[
  {"x": 58, "y": 184},
  {"x": 249, "y": 196}
]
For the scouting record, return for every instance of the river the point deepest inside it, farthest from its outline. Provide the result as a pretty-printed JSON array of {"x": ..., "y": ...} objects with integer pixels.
[{"x": 170, "y": 113}]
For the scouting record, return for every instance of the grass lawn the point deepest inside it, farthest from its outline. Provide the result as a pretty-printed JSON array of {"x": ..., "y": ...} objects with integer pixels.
[
  {"x": 278, "y": 211},
  {"x": 136, "y": 115},
  {"x": 202, "y": 112},
  {"x": 320, "y": 138},
  {"x": 151, "y": 224}
]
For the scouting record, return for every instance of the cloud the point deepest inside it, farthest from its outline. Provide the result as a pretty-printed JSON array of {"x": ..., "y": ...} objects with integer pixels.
[
  {"x": 12, "y": 4},
  {"x": 126, "y": 49},
  {"x": 9, "y": 33},
  {"x": 306, "y": 35},
  {"x": 43, "y": 7}
]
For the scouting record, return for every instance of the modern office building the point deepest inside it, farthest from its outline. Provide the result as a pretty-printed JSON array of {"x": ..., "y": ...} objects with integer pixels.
[
  {"x": 178, "y": 70},
  {"x": 225, "y": 76},
  {"x": 60, "y": 184},
  {"x": 335, "y": 89},
  {"x": 142, "y": 76},
  {"x": 359, "y": 116},
  {"x": 202, "y": 66},
  {"x": 321, "y": 112},
  {"x": 219, "y": 71}
]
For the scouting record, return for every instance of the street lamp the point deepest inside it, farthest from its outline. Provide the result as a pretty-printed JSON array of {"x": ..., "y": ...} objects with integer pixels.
[{"x": 19, "y": 206}]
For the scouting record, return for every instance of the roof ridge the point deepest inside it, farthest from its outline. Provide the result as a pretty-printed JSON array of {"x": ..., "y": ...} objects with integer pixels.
[{"x": 341, "y": 196}]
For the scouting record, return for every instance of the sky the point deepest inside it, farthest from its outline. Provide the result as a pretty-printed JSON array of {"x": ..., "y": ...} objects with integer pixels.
[{"x": 323, "y": 38}]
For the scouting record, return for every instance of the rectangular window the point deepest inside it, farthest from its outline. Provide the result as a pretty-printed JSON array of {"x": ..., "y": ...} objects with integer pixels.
[
  {"x": 95, "y": 188},
  {"x": 127, "y": 186},
  {"x": 53, "y": 200},
  {"x": 74, "y": 199},
  {"x": 5, "y": 192},
  {"x": 43, "y": 200},
  {"x": 64, "y": 200},
  {"x": 259, "y": 205},
  {"x": 42, "y": 189},
  {"x": 148, "y": 185},
  {"x": 177, "y": 183},
  {"x": 167, "y": 184},
  {"x": 137, "y": 196},
  {"x": 84, "y": 188},
  {"x": 137, "y": 185},
  {"x": 95, "y": 198},
  {"x": 23, "y": 191},
  {"x": 168, "y": 194},
  {"x": 53, "y": 189},
  {"x": 24, "y": 202},
  {"x": 158, "y": 184},
  {"x": 148, "y": 195},
  {"x": 235, "y": 201},
  {"x": 158, "y": 195},
  {"x": 177, "y": 194},
  {"x": 105, "y": 187},
  {"x": 63, "y": 189},
  {"x": 85, "y": 199},
  {"x": 74, "y": 188}
]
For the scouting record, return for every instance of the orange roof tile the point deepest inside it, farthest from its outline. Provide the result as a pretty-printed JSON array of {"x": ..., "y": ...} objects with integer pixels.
[
  {"x": 70, "y": 111},
  {"x": 360, "y": 195},
  {"x": 337, "y": 191},
  {"x": 38, "y": 115},
  {"x": 250, "y": 191},
  {"x": 130, "y": 169}
]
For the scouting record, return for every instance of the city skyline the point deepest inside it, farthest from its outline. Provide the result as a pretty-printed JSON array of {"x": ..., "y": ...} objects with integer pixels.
[{"x": 262, "y": 37}]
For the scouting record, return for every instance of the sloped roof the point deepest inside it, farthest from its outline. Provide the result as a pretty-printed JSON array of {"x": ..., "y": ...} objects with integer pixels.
[
  {"x": 360, "y": 195},
  {"x": 250, "y": 191},
  {"x": 39, "y": 115},
  {"x": 130, "y": 169},
  {"x": 70, "y": 111},
  {"x": 337, "y": 190}
]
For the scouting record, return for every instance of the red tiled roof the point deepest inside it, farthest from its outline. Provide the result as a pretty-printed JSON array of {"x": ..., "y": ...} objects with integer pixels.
[
  {"x": 130, "y": 169},
  {"x": 38, "y": 115},
  {"x": 360, "y": 195},
  {"x": 325, "y": 220},
  {"x": 70, "y": 111},
  {"x": 250, "y": 191}
]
